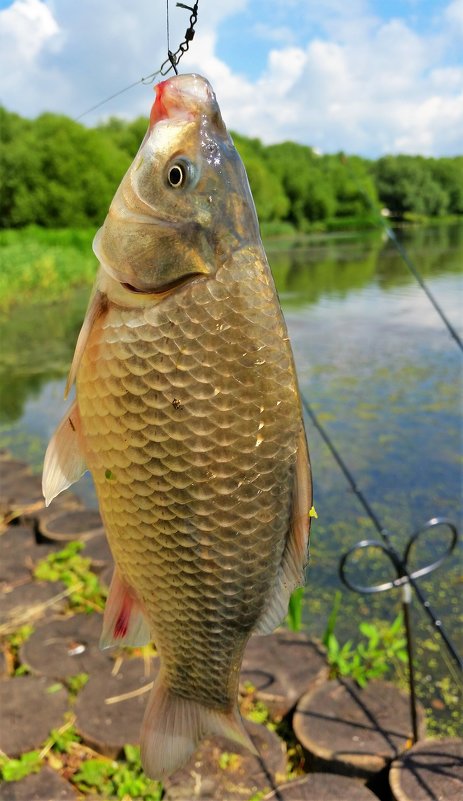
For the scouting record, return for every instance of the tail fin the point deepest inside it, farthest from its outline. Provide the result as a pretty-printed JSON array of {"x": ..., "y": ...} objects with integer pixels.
[{"x": 173, "y": 727}]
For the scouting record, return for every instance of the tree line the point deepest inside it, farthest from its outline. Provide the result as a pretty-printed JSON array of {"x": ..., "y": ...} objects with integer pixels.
[{"x": 57, "y": 173}]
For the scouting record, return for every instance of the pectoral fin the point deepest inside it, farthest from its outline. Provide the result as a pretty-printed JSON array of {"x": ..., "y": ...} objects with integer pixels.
[
  {"x": 96, "y": 307},
  {"x": 295, "y": 556},
  {"x": 64, "y": 460},
  {"x": 124, "y": 622}
]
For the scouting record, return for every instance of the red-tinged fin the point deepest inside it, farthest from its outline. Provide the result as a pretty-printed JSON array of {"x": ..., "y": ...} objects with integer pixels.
[
  {"x": 64, "y": 460},
  {"x": 96, "y": 307},
  {"x": 296, "y": 553},
  {"x": 173, "y": 727},
  {"x": 124, "y": 622}
]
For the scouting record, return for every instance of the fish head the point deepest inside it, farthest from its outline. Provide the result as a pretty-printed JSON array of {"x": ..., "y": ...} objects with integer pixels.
[{"x": 184, "y": 206}]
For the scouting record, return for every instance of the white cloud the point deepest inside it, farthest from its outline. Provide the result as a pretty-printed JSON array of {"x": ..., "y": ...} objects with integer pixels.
[
  {"x": 454, "y": 15},
  {"x": 25, "y": 29},
  {"x": 357, "y": 83}
]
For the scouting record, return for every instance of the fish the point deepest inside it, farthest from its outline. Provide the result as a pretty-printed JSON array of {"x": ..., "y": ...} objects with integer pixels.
[{"x": 188, "y": 416}]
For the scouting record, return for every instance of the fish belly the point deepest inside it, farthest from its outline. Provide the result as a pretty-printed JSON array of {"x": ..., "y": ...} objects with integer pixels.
[{"x": 190, "y": 415}]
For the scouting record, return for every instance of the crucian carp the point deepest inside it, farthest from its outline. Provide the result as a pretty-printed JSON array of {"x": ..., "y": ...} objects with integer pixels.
[{"x": 188, "y": 416}]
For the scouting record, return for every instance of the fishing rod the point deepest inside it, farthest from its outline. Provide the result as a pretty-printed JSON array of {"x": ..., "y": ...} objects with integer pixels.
[{"x": 404, "y": 576}]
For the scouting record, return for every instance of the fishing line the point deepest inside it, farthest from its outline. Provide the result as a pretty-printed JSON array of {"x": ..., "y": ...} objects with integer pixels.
[
  {"x": 405, "y": 257},
  {"x": 167, "y": 26},
  {"x": 170, "y": 63}
]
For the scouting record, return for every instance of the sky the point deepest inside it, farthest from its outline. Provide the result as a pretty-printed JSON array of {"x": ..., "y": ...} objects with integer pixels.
[{"x": 364, "y": 76}]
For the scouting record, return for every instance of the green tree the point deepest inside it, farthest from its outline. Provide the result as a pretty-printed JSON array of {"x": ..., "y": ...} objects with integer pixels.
[
  {"x": 448, "y": 173},
  {"x": 127, "y": 136},
  {"x": 353, "y": 185},
  {"x": 58, "y": 173},
  {"x": 406, "y": 184},
  {"x": 304, "y": 181},
  {"x": 267, "y": 189}
]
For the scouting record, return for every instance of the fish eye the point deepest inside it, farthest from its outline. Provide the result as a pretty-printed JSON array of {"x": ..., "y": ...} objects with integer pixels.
[{"x": 180, "y": 173}]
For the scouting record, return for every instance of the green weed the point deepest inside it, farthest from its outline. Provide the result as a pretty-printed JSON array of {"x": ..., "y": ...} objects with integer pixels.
[
  {"x": 12, "y": 770},
  {"x": 77, "y": 682},
  {"x": 13, "y": 644},
  {"x": 61, "y": 740},
  {"x": 120, "y": 779},
  {"x": 229, "y": 761},
  {"x": 294, "y": 616},
  {"x": 371, "y": 658},
  {"x": 74, "y": 571}
]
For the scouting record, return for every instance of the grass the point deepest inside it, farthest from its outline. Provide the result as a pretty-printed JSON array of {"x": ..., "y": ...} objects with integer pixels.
[
  {"x": 40, "y": 264},
  {"x": 68, "y": 566}
]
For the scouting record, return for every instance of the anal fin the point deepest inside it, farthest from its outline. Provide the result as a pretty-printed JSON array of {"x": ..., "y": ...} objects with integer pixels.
[
  {"x": 295, "y": 555},
  {"x": 124, "y": 622},
  {"x": 64, "y": 460}
]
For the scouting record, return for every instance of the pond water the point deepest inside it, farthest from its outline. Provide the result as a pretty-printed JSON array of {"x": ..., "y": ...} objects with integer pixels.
[{"x": 384, "y": 378}]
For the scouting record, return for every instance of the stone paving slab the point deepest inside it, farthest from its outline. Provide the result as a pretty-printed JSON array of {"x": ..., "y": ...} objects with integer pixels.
[
  {"x": 30, "y": 707},
  {"x": 47, "y": 785},
  {"x": 355, "y": 730},
  {"x": 64, "y": 647}
]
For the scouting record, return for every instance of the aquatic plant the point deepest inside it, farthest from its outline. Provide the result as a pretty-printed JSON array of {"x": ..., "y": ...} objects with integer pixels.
[{"x": 371, "y": 658}]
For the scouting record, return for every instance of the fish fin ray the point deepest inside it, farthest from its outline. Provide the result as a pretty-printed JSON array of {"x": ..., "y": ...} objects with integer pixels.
[
  {"x": 173, "y": 727},
  {"x": 295, "y": 556},
  {"x": 97, "y": 305},
  {"x": 124, "y": 622},
  {"x": 64, "y": 461}
]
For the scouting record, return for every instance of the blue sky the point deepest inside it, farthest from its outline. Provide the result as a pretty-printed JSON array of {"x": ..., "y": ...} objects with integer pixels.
[{"x": 364, "y": 76}]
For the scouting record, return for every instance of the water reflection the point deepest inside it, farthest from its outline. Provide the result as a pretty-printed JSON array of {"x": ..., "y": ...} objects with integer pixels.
[
  {"x": 37, "y": 347},
  {"x": 339, "y": 266}
]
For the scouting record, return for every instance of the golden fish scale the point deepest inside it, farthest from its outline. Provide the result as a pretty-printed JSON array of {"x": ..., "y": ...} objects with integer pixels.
[{"x": 192, "y": 406}]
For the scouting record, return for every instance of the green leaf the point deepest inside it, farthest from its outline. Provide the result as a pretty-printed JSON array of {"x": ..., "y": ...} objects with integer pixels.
[
  {"x": 77, "y": 682},
  {"x": 368, "y": 629},
  {"x": 402, "y": 655},
  {"x": 332, "y": 646},
  {"x": 331, "y": 623},
  {"x": 15, "y": 769},
  {"x": 397, "y": 624},
  {"x": 132, "y": 754},
  {"x": 294, "y": 618},
  {"x": 54, "y": 688}
]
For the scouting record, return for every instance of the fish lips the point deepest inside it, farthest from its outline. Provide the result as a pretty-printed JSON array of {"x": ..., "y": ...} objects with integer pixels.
[{"x": 163, "y": 289}]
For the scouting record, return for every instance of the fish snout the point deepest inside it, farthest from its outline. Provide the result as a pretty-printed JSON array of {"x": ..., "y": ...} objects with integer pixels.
[{"x": 182, "y": 97}]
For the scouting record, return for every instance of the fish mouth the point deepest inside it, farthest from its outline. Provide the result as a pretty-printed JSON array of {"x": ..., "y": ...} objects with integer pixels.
[
  {"x": 163, "y": 288},
  {"x": 182, "y": 97}
]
